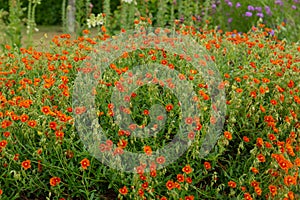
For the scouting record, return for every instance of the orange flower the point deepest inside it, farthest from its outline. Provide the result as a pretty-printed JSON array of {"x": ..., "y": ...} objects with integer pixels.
[
  {"x": 85, "y": 31},
  {"x": 247, "y": 196},
  {"x": 122, "y": 143},
  {"x": 187, "y": 169},
  {"x": 246, "y": 139},
  {"x": 273, "y": 190},
  {"x": 239, "y": 90},
  {"x": 290, "y": 180},
  {"x": 291, "y": 195},
  {"x": 258, "y": 191},
  {"x": 228, "y": 135},
  {"x": 24, "y": 117},
  {"x": 31, "y": 123},
  {"x": 262, "y": 90},
  {"x": 189, "y": 180},
  {"x": 191, "y": 197},
  {"x": 262, "y": 108},
  {"x": 123, "y": 190},
  {"x": 180, "y": 177},
  {"x": 273, "y": 102},
  {"x": 170, "y": 184},
  {"x": 46, "y": 110},
  {"x": 207, "y": 165},
  {"x": 53, "y": 125},
  {"x": 261, "y": 158},
  {"x": 169, "y": 107},
  {"x": 254, "y": 184},
  {"x": 232, "y": 184},
  {"x": 26, "y": 164},
  {"x": 297, "y": 162},
  {"x": 148, "y": 150},
  {"x": 3, "y": 144},
  {"x": 254, "y": 170},
  {"x": 271, "y": 137},
  {"x": 85, "y": 163},
  {"x": 259, "y": 142},
  {"x": 54, "y": 181}
]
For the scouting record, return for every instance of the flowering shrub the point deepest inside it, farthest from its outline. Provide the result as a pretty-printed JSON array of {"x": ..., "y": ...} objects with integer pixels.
[
  {"x": 256, "y": 157},
  {"x": 242, "y": 15}
]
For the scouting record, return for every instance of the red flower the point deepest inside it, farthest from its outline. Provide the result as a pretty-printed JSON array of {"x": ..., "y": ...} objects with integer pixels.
[
  {"x": 246, "y": 139},
  {"x": 247, "y": 196},
  {"x": 85, "y": 163},
  {"x": 54, "y": 181},
  {"x": 170, "y": 185},
  {"x": 232, "y": 184},
  {"x": 146, "y": 112},
  {"x": 189, "y": 180},
  {"x": 191, "y": 197},
  {"x": 180, "y": 177},
  {"x": 254, "y": 170},
  {"x": 160, "y": 160},
  {"x": 123, "y": 190},
  {"x": 261, "y": 158},
  {"x": 290, "y": 180},
  {"x": 3, "y": 144},
  {"x": 258, "y": 191},
  {"x": 169, "y": 107},
  {"x": 228, "y": 135},
  {"x": 273, "y": 190},
  {"x": 189, "y": 120},
  {"x": 46, "y": 110},
  {"x": 187, "y": 169},
  {"x": 207, "y": 165},
  {"x": 31, "y": 123},
  {"x": 53, "y": 125},
  {"x": 26, "y": 164}
]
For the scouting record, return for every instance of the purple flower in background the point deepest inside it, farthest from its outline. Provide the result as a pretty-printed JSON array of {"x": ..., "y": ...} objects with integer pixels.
[
  {"x": 268, "y": 10},
  {"x": 272, "y": 32},
  {"x": 248, "y": 14},
  {"x": 294, "y": 7},
  {"x": 229, "y": 20},
  {"x": 296, "y": 1},
  {"x": 181, "y": 19},
  {"x": 229, "y": 3},
  {"x": 237, "y": 5},
  {"x": 279, "y": 2},
  {"x": 260, "y": 15},
  {"x": 250, "y": 8},
  {"x": 213, "y": 6},
  {"x": 258, "y": 9}
]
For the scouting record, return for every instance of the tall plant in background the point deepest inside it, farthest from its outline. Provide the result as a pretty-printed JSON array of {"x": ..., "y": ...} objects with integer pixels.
[
  {"x": 161, "y": 13},
  {"x": 31, "y": 25},
  {"x": 13, "y": 30},
  {"x": 63, "y": 16},
  {"x": 82, "y": 13},
  {"x": 106, "y": 11},
  {"x": 3, "y": 13},
  {"x": 128, "y": 9}
]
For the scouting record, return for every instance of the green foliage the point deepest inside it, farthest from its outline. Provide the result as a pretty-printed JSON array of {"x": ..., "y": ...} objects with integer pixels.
[{"x": 15, "y": 22}]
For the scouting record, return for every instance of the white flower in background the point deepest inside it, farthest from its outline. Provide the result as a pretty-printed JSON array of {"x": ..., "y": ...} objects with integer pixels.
[
  {"x": 127, "y": 1},
  {"x": 94, "y": 21}
]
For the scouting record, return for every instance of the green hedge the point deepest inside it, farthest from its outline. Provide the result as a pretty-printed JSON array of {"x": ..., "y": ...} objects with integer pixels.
[{"x": 49, "y": 11}]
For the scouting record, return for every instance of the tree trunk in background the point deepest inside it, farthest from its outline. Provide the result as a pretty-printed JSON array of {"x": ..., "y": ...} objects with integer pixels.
[{"x": 71, "y": 20}]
